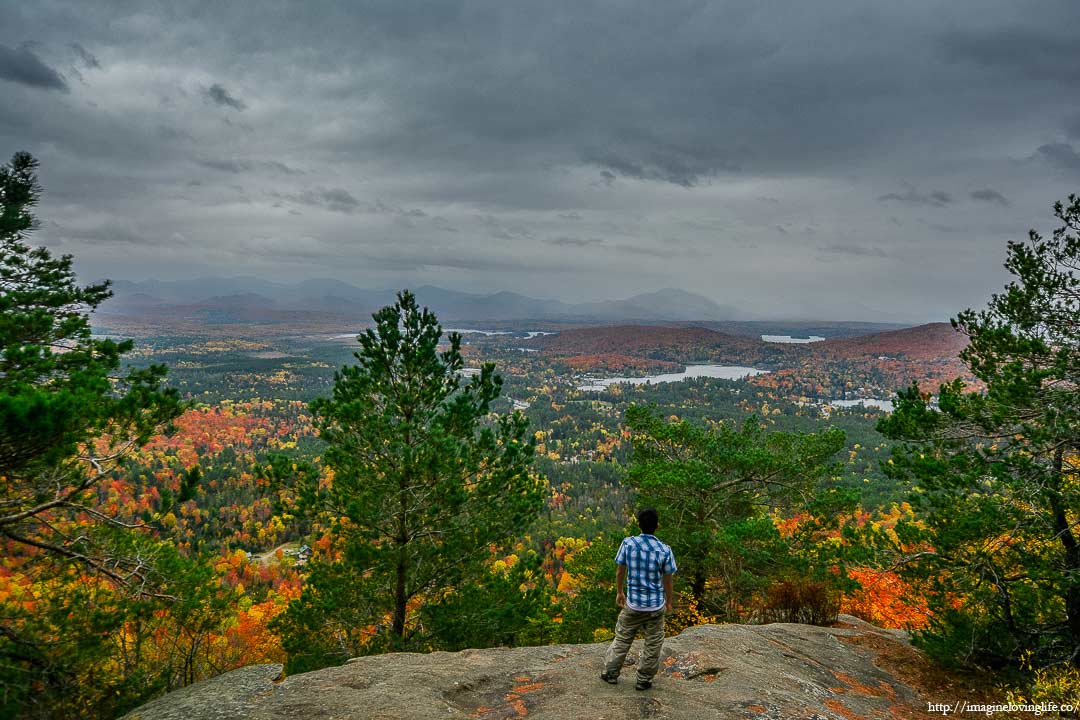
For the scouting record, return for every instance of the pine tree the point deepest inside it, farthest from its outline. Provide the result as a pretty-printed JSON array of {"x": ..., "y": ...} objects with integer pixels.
[
  {"x": 997, "y": 473},
  {"x": 714, "y": 489},
  {"x": 68, "y": 413},
  {"x": 425, "y": 480}
]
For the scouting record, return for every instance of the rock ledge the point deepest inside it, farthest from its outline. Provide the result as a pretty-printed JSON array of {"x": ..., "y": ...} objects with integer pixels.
[{"x": 712, "y": 671}]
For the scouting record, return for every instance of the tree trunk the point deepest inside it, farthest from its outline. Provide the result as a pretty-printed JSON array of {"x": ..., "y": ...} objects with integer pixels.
[
  {"x": 697, "y": 586},
  {"x": 402, "y": 542},
  {"x": 1063, "y": 530},
  {"x": 399, "y": 597}
]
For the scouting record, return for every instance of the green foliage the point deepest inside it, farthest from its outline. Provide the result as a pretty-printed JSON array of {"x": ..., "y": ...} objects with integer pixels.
[
  {"x": 509, "y": 608},
  {"x": 714, "y": 489},
  {"x": 59, "y": 387},
  {"x": 68, "y": 413},
  {"x": 337, "y": 617},
  {"x": 592, "y": 605},
  {"x": 996, "y": 473},
  {"x": 56, "y": 651},
  {"x": 426, "y": 478},
  {"x": 85, "y": 648}
]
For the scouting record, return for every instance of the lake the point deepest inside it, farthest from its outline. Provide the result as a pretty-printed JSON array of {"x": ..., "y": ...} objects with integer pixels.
[
  {"x": 885, "y": 405},
  {"x": 529, "y": 334},
  {"x": 787, "y": 339},
  {"x": 724, "y": 372}
]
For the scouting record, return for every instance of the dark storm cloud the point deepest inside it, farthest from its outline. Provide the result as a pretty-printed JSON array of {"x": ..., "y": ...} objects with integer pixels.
[
  {"x": 666, "y": 167},
  {"x": 1072, "y": 126},
  {"x": 234, "y": 165},
  {"x": 1046, "y": 52},
  {"x": 337, "y": 199},
  {"x": 1061, "y": 155},
  {"x": 22, "y": 66},
  {"x": 85, "y": 57},
  {"x": 584, "y": 130},
  {"x": 220, "y": 96},
  {"x": 333, "y": 199},
  {"x": 229, "y": 166},
  {"x": 911, "y": 196},
  {"x": 990, "y": 196}
]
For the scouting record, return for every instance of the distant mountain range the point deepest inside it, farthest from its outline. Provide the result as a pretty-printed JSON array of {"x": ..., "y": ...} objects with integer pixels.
[{"x": 247, "y": 299}]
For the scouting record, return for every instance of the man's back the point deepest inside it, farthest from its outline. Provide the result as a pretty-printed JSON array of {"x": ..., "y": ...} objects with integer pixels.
[
  {"x": 645, "y": 566},
  {"x": 647, "y": 561}
]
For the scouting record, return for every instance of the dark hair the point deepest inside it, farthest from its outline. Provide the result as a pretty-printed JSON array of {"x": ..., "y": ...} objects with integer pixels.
[{"x": 647, "y": 520}]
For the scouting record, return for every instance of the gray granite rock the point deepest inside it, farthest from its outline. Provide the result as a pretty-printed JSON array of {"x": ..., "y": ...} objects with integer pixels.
[{"x": 713, "y": 671}]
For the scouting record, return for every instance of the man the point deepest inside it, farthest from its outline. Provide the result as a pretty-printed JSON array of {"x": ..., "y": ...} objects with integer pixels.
[{"x": 643, "y": 578}]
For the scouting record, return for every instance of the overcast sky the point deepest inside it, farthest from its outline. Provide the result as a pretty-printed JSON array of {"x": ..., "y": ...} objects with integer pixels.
[{"x": 851, "y": 160}]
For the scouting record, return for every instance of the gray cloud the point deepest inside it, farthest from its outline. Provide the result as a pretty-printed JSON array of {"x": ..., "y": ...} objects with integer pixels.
[
  {"x": 229, "y": 166},
  {"x": 990, "y": 196},
  {"x": 1061, "y": 155},
  {"x": 853, "y": 250},
  {"x": 1072, "y": 126},
  {"x": 386, "y": 132},
  {"x": 233, "y": 165},
  {"x": 22, "y": 66},
  {"x": 384, "y": 208},
  {"x": 337, "y": 199},
  {"x": 564, "y": 241},
  {"x": 657, "y": 252},
  {"x": 282, "y": 168},
  {"x": 220, "y": 96},
  {"x": 665, "y": 164},
  {"x": 85, "y": 57},
  {"x": 334, "y": 199},
  {"x": 934, "y": 198},
  {"x": 1045, "y": 52}
]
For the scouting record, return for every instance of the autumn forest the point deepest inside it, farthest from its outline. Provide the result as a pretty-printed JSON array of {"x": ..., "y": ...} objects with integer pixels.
[{"x": 189, "y": 491}]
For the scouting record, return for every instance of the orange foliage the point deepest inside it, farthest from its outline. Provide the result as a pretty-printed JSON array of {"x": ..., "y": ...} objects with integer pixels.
[
  {"x": 885, "y": 600},
  {"x": 618, "y": 362}
]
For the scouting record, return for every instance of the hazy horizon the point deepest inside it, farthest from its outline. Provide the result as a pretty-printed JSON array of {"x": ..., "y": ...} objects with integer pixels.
[
  {"x": 220, "y": 287},
  {"x": 792, "y": 160}
]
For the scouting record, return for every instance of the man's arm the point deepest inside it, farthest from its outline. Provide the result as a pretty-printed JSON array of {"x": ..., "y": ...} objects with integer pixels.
[
  {"x": 669, "y": 592},
  {"x": 620, "y": 584}
]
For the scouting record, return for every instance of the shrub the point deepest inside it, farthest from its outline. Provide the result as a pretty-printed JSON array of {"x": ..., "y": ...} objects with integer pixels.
[{"x": 799, "y": 601}]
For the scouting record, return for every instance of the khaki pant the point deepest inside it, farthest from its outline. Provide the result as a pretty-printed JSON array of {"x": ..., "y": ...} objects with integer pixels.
[{"x": 651, "y": 625}]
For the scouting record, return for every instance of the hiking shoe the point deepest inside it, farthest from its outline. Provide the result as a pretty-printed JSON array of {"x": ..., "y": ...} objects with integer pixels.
[
  {"x": 643, "y": 685},
  {"x": 609, "y": 679}
]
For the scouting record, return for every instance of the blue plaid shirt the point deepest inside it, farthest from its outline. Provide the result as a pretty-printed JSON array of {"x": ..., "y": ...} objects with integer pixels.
[{"x": 647, "y": 561}]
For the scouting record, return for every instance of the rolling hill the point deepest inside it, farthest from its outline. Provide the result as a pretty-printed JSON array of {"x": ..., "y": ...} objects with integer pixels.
[{"x": 923, "y": 342}]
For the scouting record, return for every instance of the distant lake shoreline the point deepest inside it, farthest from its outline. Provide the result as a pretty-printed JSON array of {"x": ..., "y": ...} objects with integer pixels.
[
  {"x": 723, "y": 372},
  {"x": 789, "y": 340}
]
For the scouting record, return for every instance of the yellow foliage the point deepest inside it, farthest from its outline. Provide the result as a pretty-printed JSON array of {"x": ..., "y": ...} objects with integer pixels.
[
  {"x": 687, "y": 614},
  {"x": 1058, "y": 684},
  {"x": 567, "y": 583},
  {"x": 602, "y": 635}
]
